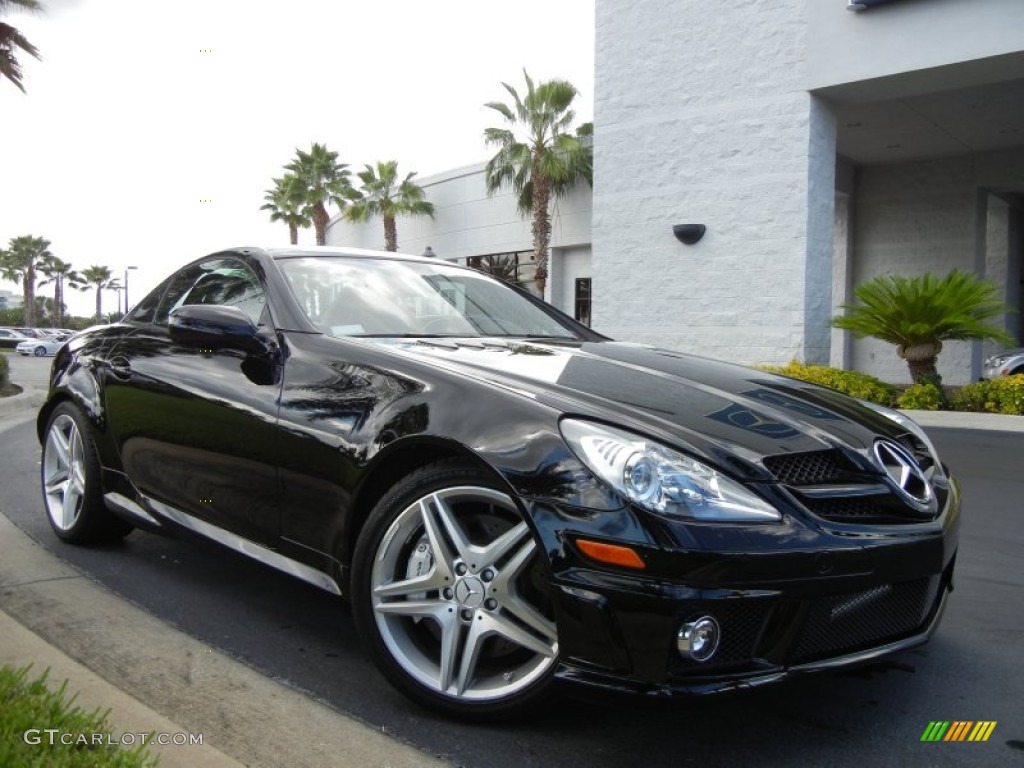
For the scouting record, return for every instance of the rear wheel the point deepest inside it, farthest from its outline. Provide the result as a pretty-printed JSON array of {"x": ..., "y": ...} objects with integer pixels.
[
  {"x": 452, "y": 596},
  {"x": 71, "y": 482}
]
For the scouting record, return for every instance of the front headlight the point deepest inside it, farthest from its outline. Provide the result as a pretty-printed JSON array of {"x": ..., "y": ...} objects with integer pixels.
[
  {"x": 662, "y": 480},
  {"x": 996, "y": 361}
]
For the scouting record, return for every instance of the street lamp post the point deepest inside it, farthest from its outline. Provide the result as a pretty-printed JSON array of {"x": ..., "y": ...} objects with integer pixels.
[{"x": 126, "y": 305}]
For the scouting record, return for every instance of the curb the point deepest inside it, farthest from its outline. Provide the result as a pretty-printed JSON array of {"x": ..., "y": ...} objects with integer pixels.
[
  {"x": 995, "y": 422},
  {"x": 26, "y": 402}
]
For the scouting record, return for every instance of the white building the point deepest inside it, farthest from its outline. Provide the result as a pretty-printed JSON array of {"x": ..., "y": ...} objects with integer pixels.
[
  {"x": 820, "y": 147},
  {"x": 10, "y": 300}
]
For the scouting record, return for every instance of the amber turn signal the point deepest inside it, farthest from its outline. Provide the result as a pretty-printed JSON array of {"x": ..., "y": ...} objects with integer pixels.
[{"x": 610, "y": 553}]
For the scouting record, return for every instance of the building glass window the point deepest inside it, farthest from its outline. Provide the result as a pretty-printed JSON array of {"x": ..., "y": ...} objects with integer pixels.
[
  {"x": 515, "y": 267},
  {"x": 582, "y": 300}
]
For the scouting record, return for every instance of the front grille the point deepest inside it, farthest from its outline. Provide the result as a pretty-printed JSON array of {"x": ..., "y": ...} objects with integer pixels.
[
  {"x": 859, "y": 620},
  {"x": 813, "y": 468},
  {"x": 860, "y": 510},
  {"x": 741, "y": 622},
  {"x": 856, "y": 497}
]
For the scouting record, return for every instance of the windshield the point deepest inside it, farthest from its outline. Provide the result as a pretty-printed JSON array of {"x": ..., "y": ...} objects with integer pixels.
[{"x": 382, "y": 297}]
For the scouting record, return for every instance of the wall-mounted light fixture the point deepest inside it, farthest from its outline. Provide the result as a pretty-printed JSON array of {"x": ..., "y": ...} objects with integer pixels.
[
  {"x": 688, "y": 234},
  {"x": 860, "y": 5}
]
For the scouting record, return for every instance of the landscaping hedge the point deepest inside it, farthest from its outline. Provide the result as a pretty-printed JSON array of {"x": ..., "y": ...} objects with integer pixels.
[
  {"x": 1004, "y": 395},
  {"x": 922, "y": 397}
]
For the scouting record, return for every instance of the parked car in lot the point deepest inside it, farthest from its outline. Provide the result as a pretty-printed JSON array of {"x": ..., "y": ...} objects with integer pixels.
[
  {"x": 11, "y": 338},
  {"x": 1006, "y": 363},
  {"x": 47, "y": 345},
  {"x": 507, "y": 498}
]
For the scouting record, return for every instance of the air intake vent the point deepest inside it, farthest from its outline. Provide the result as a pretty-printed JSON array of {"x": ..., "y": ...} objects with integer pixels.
[{"x": 813, "y": 468}]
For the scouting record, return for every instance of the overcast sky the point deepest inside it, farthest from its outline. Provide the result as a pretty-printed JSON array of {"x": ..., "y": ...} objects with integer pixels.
[{"x": 127, "y": 124}]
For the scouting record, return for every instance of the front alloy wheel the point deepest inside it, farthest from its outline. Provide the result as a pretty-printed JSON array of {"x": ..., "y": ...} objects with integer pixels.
[{"x": 452, "y": 595}]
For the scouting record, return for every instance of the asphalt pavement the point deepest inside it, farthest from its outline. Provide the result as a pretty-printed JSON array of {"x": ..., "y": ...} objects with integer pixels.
[{"x": 183, "y": 637}]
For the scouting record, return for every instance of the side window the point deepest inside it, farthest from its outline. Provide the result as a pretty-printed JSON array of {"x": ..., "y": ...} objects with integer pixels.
[
  {"x": 145, "y": 310},
  {"x": 218, "y": 281},
  {"x": 178, "y": 286}
]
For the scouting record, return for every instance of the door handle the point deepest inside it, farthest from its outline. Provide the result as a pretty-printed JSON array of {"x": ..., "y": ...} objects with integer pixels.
[{"x": 120, "y": 367}]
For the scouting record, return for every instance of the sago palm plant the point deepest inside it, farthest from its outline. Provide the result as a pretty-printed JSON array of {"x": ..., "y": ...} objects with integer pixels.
[{"x": 918, "y": 313}]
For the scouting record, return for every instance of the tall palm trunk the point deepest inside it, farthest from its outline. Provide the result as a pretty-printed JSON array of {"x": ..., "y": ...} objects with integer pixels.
[
  {"x": 28, "y": 284},
  {"x": 58, "y": 299},
  {"x": 390, "y": 234},
  {"x": 99, "y": 303},
  {"x": 320, "y": 219},
  {"x": 541, "y": 222},
  {"x": 293, "y": 233}
]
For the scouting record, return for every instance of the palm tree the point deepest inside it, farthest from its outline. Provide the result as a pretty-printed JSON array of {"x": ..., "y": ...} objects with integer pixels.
[
  {"x": 919, "y": 313},
  {"x": 101, "y": 278},
  {"x": 383, "y": 195},
  {"x": 19, "y": 262},
  {"x": 59, "y": 273},
  {"x": 321, "y": 179},
  {"x": 11, "y": 40},
  {"x": 537, "y": 155},
  {"x": 284, "y": 202}
]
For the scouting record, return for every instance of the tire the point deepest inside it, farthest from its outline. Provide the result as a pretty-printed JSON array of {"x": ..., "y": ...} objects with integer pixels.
[
  {"x": 71, "y": 482},
  {"x": 452, "y": 596},
  {"x": 39, "y": 352}
]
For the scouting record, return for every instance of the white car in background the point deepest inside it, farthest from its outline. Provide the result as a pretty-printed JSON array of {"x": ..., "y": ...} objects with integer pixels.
[
  {"x": 40, "y": 347},
  {"x": 1005, "y": 363}
]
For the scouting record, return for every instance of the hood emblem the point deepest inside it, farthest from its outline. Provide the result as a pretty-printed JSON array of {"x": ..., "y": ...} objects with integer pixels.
[{"x": 906, "y": 476}]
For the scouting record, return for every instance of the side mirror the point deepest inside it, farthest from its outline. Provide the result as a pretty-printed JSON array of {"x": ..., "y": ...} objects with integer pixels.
[{"x": 215, "y": 326}]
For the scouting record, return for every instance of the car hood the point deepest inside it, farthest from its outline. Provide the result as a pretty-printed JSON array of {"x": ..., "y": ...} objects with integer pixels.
[{"x": 712, "y": 408}]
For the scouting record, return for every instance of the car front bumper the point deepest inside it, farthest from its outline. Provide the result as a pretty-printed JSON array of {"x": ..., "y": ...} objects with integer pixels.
[{"x": 835, "y": 600}]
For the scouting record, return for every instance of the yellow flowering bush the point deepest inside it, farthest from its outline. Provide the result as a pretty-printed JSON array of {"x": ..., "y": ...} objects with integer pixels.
[
  {"x": 1005, "y": 395},
  {"x": 921, "y": 397}
]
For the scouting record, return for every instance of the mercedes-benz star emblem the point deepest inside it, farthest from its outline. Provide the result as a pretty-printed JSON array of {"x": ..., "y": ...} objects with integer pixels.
[{"x": 906, "y": 475}]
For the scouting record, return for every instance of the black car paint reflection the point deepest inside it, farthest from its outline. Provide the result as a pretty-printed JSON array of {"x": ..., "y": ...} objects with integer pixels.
[{"x": 291, "y": 443}]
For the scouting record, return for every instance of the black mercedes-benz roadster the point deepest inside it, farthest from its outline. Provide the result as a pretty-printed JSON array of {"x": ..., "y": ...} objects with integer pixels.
[{"x": 507, "y": 498}]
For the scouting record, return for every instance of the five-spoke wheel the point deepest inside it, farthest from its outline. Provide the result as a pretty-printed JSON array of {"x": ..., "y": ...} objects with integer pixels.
[
  {"x": 453, "y": 596},
  {"x": 70, "y": 476}
]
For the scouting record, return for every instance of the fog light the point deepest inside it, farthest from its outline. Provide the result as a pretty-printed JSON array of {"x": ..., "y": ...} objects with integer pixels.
[{"x": 698, "y": 640}]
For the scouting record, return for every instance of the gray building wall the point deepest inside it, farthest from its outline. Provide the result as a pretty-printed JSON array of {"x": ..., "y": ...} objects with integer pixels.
[
  {"x": 925, "y": 36},
  {"x": 702, "y": 117}
]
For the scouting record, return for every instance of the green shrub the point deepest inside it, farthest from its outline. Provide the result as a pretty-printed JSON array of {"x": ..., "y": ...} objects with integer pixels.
[
  {"x": 922, "y": 397},
  {"x": 1005, "y": 395},
  {"x": 29, "y": 703},
  {"x": 855, "y": 384}
]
